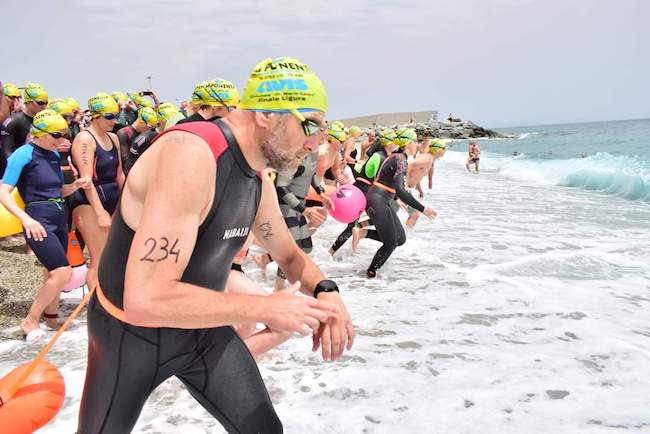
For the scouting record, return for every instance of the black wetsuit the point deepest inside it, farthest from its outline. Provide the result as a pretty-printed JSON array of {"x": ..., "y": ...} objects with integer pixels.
[
  {"x": 126, "y": 135},
  {"x": 196, "y": 117},
  {"x": 126, "y": 363},
  {"x": 15, "y": 131},
  {"x": 139, "y": 144},
  {"x": 363, "y": 182},
  {"x": 389, "y": 230}
]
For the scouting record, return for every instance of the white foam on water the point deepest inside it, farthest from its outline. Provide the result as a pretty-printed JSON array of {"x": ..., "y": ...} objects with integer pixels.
[{"x": 522, "y": 308}]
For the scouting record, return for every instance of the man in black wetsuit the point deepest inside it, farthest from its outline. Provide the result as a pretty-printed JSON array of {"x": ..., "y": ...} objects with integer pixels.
[
  {"x": 16, "y": 129},
  {"x": 160, "y": 310},
  {"x": 146, "y": 121},
  {"x": 214, "y": 99}
]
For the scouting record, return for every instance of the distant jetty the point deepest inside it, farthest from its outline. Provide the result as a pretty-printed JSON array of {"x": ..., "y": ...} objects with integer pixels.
[{"x": 427, "y": 120}]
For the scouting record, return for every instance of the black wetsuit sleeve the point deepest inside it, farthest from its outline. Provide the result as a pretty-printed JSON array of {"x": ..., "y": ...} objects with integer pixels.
[
  {"x": 315, "y": 184},
  {"x": 12, "y": 134},
  {"x": 399, "y": 183}
]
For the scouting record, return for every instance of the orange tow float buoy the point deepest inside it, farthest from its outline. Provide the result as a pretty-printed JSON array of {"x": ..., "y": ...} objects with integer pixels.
[
  {"x": 37, "y": 400},
  {"x": 9, "y": 223}
]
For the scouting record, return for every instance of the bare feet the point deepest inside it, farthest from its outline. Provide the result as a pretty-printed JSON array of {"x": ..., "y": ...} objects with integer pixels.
[
  {"x": 28, "y": 325},
  {"x": 357, "y": 235},
  {"x": 413, "y": 218}
]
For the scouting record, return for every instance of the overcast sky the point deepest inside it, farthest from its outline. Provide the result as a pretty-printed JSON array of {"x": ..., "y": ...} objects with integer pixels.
[{"x": 496, "y": 62}]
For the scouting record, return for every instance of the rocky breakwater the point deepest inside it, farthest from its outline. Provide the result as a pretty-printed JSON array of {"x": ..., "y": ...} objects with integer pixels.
[{"x": 458, "y": 130}]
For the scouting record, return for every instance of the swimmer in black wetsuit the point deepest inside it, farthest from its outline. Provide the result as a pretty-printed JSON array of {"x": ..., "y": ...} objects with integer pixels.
[
  {"x": 160, "y": 310},
  {"x": 389, "y": 231},
  {"x": 214, "y": 99},
  {"x": 365, "y": 179},
  {"x": 34, "y": 169},
  {"x": 147, "y": 120},
  {"x": 16, "y": 128},
  {"x": 95, "y": 154}
]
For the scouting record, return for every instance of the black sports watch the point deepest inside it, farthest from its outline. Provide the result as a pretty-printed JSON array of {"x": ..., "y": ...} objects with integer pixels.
[{"x": 325, "y": 286}]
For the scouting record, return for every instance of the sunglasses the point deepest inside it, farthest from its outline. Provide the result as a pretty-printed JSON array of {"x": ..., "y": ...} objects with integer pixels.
[
  {"x": 309, "y": 127},
  {"x": 55, "y": 135},
  {"x": 41, "y": 103}
]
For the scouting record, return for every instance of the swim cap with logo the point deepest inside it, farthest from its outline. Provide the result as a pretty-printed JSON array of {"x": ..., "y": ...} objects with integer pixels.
[
  {"x": 167, "y": 109},
  {"x": 405, "y": 136},
  {"x": 61, "y": 106},
  {"x": 11, "y": 90},
  {"x": 119, "y": 96},
  {"x": 35, "y": 92},
  {"x": 218, "y": 92},
  {"x": 73, "y": 103},
  {"x": 387, "y": 136},
  {"x": 354, "y": 130},
  {"x": 47, "y": 121},
  {"x": 337, "y": 124},
  {"x": 436, "y": 145},
  {"x": 336, "y": 135},
  {"x": 283, "y": 85},
  {"x": 102, "y": 103},
  {"x": 148, "y": 116}
]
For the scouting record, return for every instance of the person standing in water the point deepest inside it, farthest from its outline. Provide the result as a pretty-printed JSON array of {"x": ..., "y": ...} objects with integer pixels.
[{"x": 473, "y": 157}]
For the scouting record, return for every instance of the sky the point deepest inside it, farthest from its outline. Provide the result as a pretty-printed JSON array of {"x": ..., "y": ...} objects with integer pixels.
[{"x": 496, "y": 62}]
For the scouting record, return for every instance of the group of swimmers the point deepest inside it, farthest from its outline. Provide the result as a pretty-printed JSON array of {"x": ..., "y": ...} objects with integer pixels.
[{"x": 166, "y": 243}]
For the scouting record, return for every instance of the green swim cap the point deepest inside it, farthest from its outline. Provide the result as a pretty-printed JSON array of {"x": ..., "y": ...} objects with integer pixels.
[
  {"x": 387, "y": 136},
  {"x": 47, "y": 121},
  {"x": 336, "y": 135},
  {"x": 405, "y": 136},
  {"x": 354, "y": 130},
  {"x": 101, "y": 104},
  {"x": 148, "y": 116},
  {"x": 61, "y": 106},
  {"x": 11, "y": 90},
  {"x": 35, "y": 92},
  {"x": 283, "y": 85}
]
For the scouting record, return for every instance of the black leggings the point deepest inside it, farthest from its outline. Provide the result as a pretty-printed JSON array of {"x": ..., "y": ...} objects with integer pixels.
[
  {"x": 126, "y": 363},
  {"x": 389, "y": 230}
]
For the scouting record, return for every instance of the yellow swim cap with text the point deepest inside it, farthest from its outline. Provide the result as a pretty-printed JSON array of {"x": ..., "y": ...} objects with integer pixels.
[{"x": 47, "y": 121}]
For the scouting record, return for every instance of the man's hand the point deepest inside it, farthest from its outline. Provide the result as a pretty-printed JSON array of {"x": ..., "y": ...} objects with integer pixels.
[
  {"x": 286, "y": 312},
  {"x": 315, "y": 216},
  {"x": 63, "y": 146},
  {"x": 104, "y": 219},
  {"x": 84, "y": 182},
  {"x": 337, "y": 334}
]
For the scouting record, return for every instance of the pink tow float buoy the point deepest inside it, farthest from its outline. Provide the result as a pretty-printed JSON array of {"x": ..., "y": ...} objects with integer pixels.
[{"x": 349, "y": 202}]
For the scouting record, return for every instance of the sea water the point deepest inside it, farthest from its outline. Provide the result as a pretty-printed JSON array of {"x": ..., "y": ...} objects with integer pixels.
[{"x": 523, "y": 308}]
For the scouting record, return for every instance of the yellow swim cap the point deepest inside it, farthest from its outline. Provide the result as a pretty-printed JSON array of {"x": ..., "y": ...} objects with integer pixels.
[
  {"x": 73, "y": 103},
  {"x": 61, "y": 107},
  {"x": 144, "y": 102},
  {"x": 336, "y": 135},
  {"x": 405, "y": 136},
  {"x": 436, "y": 145},
  {"x": 47, "y": 121},
  {"x": 133, "y": 96},
  {"x": 166, "y": 110},
  {"x": 148, "y": 116},
  {"x": 387, "y": 136},
  {"x": 101, "y": 104},
  {"x": 337, "y": 124},
  {"x": 354, "y": 130},
  {"x": 283, "y": 85},
  {"x": 35, "y": 92},
  {"x": 217, "y": 92},
  {"x": 119, "y": 96},
  {"x": 11, "y": 90}
]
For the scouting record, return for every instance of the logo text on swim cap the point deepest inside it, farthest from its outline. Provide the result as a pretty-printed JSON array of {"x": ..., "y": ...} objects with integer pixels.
[
  {"x": 285, "y": 65},
  {"x": 279, "y": 85}
]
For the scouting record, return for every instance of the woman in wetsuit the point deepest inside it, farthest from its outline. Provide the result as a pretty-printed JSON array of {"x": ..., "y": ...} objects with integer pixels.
[
  {"x": 389, "y": 231},
  {"x": 35, "y": 169},
  {"x": 95, "y": 154},
  {"x": 366, "y": 177}
]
